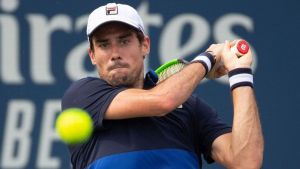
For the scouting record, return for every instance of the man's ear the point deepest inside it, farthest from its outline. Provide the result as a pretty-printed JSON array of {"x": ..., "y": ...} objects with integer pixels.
[
  {"x": 146, "y": 46},
  {"x": 92, "y": 56}
]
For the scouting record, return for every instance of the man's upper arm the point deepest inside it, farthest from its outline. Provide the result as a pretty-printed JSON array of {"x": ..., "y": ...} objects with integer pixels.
[
  {"x": 104, "y": 101},
  {"x": 209, "y": 128},
  {"x": 132, "y": 103}
]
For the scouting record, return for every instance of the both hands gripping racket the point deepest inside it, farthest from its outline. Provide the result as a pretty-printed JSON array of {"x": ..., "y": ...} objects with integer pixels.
[{"x": 166, "y": 70}]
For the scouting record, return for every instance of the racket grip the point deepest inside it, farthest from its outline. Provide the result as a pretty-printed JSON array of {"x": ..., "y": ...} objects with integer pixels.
[
  {"x": 240, "y": 48},
  {"x": 151, "y": 79}
]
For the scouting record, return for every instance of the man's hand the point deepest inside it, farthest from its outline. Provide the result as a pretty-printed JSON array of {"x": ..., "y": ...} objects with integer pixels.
[
  {"x": 226, "y": 60},
  {"x": 231, "y": 61},
  {"x": 219, "y": 69}
]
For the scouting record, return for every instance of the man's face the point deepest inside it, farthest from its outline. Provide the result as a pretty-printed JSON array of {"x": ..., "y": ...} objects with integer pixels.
[{"x": 118, "y": 54}]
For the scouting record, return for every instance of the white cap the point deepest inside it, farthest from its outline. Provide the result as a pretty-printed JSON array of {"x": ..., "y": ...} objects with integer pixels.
[{"x": 114, "y": 12}]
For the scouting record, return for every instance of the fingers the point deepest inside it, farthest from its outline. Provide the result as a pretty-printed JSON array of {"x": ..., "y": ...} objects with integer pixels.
[
  {"x": 227, "y": 60},
  {"x": 232, "y": 43},
  {"x": 228, "y": 45},
  {"x": 216, "y": 50},
  {"x": 221, "y": 71},
  {"x": 217, "y": 71}
]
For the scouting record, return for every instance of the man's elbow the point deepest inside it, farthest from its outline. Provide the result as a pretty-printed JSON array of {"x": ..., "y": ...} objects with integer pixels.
[
  {"x": 167, "y": 106},
  {"x": 258, "y": 160},
  {"x": 255, "y": 162},
  {"x": 259, "y": 155}
]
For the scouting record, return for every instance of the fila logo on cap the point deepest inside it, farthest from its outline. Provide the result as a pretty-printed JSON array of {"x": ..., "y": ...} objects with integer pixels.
[{"x": 111, "y": 9}]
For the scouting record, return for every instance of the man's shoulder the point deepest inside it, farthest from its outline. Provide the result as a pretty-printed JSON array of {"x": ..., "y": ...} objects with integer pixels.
[
  {"x": 82, "y": 91},
  {"x": 198, "y": 106},
  {"x": 87, "y": 80},
  {"x": 196, "y": 100},
  {"x": 193, "y": 100},
  {"x": 83, "y": 86}
]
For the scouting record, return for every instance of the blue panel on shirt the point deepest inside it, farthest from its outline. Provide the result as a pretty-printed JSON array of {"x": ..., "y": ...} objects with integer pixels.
[{"x": 149, "y": 159}]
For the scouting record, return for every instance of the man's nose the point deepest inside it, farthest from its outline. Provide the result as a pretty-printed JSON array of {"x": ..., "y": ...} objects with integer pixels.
[{"x": 115, "y": 52}]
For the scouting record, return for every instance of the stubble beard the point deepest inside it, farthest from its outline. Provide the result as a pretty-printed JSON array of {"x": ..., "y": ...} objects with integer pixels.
[{"x": 122, "y": 79}]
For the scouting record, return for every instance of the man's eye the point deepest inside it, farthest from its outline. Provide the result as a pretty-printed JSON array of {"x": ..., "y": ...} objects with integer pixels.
[
  {"x": 124, "y": 41},
  {"x": 103, "y": 45}
]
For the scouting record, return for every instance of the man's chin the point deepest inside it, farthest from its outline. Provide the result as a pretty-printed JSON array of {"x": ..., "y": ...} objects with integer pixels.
[{"x": 120, "y": 80}]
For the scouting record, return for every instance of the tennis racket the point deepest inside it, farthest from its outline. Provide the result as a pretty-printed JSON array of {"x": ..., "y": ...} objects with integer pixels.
[
  {"x": 171, "y": 67},
  {"x": 240, "y": 48}
]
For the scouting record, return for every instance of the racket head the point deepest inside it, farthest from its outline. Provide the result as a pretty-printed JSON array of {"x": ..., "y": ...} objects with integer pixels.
[{"x": 169, "y": 68}]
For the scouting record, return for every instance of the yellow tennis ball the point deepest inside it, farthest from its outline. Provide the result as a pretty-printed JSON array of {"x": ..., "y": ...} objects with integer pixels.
[{"x": 74, "y": 126}]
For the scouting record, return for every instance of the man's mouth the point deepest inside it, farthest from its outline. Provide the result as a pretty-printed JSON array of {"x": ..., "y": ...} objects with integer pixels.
[{"x": 118, "y": 65}]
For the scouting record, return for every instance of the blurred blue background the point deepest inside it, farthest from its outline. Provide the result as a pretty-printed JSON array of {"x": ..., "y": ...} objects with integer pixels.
[{"x": 43, "y": 49}]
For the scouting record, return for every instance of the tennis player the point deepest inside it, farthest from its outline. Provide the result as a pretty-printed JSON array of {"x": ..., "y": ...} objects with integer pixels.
[{"x": 163, "y": 126}]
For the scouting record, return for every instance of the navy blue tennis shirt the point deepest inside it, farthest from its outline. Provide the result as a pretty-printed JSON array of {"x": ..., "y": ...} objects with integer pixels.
[{"x": 177, "y": 140}]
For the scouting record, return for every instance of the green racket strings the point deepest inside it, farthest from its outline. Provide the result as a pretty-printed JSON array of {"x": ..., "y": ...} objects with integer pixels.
[{"x": 170, "y": 70}]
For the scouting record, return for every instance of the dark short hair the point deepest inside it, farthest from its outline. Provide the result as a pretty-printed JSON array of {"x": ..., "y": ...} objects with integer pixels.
[{"x": 139, "y": 34}]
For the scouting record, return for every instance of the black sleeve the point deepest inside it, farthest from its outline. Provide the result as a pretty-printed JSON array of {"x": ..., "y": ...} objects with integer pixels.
[
  {"x": 208, "y": 128},
  {"x": 91, "y": 94}
]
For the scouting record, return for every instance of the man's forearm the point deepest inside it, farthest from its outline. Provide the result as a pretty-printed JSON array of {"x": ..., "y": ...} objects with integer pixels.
[
  {"x": 159, "y": 100},
  {"x": 247, "y": 139},
  {"x": 177, "y": 88}
]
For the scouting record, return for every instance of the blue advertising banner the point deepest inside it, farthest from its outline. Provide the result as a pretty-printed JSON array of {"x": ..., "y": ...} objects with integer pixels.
[{"x": 43, "y": 49}]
